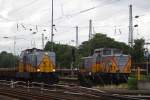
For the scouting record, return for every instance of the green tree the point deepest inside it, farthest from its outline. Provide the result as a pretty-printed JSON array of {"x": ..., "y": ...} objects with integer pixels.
[
  {"x": 138, "y": 51},
  {"x": 63, "y": 54},
  {"x": 8, "y": 60},
  {"x": 101, "y": 41}
]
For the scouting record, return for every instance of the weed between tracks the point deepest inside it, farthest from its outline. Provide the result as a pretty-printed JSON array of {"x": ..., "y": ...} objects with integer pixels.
[{"x": 121, "y": 87}]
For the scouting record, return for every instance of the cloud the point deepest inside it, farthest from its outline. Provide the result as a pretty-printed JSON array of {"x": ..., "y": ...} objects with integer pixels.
[{"x": 106, "y": 14}]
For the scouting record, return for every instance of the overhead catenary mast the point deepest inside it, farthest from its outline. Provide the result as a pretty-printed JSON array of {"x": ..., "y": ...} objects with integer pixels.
[
  {"x": 77, "y": 36},
  {"x": 52, "y": 34},
  {"x": 130, "y": 40},
  {"x": 90, "y": 29},
  {"x": 42, "y": 41}
]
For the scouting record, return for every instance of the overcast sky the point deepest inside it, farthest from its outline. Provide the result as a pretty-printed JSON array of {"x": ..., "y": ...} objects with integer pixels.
[{"x": 109, "y": 17}]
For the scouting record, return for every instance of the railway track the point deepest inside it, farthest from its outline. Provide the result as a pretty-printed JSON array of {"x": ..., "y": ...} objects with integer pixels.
[
  {"x": 71, "y": 81},
  {"x": 40, "y": 91}
]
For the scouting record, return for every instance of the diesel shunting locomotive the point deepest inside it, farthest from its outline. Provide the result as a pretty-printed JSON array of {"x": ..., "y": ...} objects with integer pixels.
[{"x": 105, "y": 66}]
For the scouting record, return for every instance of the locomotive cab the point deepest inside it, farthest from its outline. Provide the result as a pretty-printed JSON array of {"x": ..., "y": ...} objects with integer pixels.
[{"x": 112, "y": 60}]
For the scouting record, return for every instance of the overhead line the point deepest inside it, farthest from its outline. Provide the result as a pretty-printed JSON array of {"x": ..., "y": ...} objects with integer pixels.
[{"x": 83, "y": 11}]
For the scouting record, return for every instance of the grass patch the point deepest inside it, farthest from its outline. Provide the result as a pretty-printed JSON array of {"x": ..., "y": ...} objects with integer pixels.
[
  {"x": 132, "y": 83},
  {"x": 120, "y": 86}
]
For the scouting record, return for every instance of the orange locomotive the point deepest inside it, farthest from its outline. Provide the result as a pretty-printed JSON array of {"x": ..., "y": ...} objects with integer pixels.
[
  {"x": 105, "y": 66},
  {"x": 37, "y": 65}
]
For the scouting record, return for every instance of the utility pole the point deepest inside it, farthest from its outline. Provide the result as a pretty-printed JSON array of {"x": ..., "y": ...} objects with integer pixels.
[
  {"x": 77, "y": 36},
  {"x": 52, "y": 34},
  {"x": 130, "y": 41},
  {"x": 14, "y": 45},
  {"x": 42, "y": 41},
  {"x": 90, "y": 28}
]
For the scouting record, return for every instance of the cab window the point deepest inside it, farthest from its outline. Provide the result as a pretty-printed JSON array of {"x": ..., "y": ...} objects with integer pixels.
[
  {"x": 106, "y": 52},
  {"x": 117, "y": 52}
]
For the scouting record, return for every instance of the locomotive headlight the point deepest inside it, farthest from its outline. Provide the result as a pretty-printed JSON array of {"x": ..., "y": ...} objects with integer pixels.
[
  {"x": 46, "y": 53},
  {"x": 54, "y": 70},
  {"x": 90, "y": 73},
  {"x": 38, "y": 70}
]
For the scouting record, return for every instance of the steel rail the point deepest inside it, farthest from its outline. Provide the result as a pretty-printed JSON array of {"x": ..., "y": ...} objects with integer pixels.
[{"x": 41, "y": 91}]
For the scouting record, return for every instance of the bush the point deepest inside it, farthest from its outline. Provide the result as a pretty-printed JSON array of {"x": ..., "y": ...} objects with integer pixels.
[{"x": 132, "y": 83}]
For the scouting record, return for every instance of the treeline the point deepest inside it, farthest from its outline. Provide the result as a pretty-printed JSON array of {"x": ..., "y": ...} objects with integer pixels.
[
  {"x": 8, "y": 60},
  {"x": 66, "y": 53}
]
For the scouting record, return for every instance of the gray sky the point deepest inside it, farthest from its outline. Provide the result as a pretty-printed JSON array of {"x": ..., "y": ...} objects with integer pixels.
[{"x": 106, "y": 15}]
